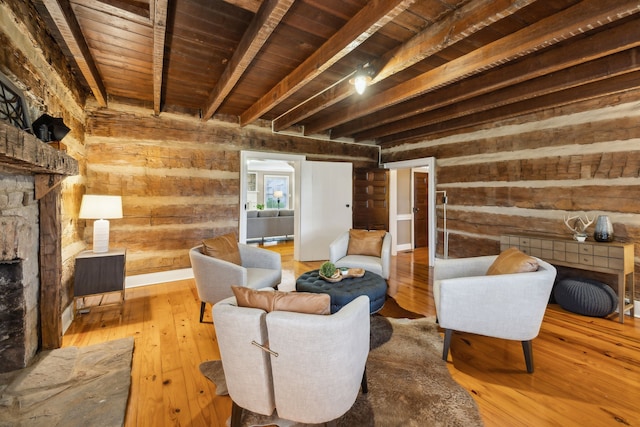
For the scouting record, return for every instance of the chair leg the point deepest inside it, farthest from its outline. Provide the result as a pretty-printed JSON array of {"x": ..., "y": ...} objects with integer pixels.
[
  {"x": 332, "y": 423},
  {"x": 447, "y": 343},
  {"x": 527, "y": 347},
  {"x": 364, "y": 385},
  {"x": 236, "y": 414},
  {"x": 202, "y": 306}
]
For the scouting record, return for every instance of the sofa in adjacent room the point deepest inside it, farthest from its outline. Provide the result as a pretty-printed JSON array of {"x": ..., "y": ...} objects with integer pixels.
[{"x": 269, "y": 223}]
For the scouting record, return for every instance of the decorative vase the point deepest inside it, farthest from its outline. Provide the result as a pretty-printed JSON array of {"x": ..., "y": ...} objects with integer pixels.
[{"x": 604, "y": 229}]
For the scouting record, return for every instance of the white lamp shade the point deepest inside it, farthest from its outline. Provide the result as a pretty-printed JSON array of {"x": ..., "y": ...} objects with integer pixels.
[
  {"x": 277, "y": 194},
  {"x": 100, "y": 207}
]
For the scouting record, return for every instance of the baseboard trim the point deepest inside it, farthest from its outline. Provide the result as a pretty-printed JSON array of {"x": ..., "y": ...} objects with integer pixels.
[
  {"x": 404, "y": 247},
  {"x": 160, "y": 277},
  {"x": 67, "y": 318}
]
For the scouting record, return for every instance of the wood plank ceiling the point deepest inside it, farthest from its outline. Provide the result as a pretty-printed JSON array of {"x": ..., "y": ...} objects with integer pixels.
[{"x": 436, "y": 65}]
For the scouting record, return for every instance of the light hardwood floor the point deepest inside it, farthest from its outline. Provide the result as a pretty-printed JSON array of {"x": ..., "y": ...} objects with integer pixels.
[{"x": 587, "y": 370}]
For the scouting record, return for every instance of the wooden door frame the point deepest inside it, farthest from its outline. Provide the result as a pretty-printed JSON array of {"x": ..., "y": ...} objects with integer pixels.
[{"x": 430, "y": 163}]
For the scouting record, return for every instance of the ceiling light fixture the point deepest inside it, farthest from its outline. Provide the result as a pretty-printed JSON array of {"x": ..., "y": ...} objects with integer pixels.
[{"x": 361, "y": 78}]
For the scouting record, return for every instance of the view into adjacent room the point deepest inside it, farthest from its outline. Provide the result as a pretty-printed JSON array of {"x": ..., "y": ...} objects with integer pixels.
[{"x": 269, "y": 203}]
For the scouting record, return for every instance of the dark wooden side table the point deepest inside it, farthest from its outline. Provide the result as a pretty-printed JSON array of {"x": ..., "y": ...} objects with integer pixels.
[{"x": 100, "y": 273}]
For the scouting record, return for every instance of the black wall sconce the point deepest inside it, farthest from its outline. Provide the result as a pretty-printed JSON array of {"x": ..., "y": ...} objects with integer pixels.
[{"x": 48, "y": 128}]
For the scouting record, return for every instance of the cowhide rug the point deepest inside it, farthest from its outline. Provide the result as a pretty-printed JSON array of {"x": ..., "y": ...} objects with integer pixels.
[{"x": 409, "y": 384}]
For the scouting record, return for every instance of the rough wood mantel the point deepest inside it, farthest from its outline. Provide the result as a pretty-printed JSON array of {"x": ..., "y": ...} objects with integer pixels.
[
  {"x": 26, "y": 154},
  {"x": 22, "y": 151}
]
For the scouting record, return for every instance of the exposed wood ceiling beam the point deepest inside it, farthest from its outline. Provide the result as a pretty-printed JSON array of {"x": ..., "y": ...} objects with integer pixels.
[
  {"x": 397, "y": 118},
  {"x": 266, "y": 20},
  {"x": 464, "y": 22},
  {"x": 327, "y": 98},
  {"x": 589, "y": 72},
  {"x": 457, "y": 26},
  {"x": 365, "y": 23},
  {"x": 159, "y": 34},
  {"x": 593, "y": 90},
  {"x": 65, "y": 20},
  {"x": 584, "y": 16}
]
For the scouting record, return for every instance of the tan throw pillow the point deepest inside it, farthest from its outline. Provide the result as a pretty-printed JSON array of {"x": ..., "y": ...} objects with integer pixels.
[
  {"x": 299, "y": 302},
  {"x": 223, "y": 247},
  {"x": 363, "y": 242},
  {"x": 512, "y": 261}
]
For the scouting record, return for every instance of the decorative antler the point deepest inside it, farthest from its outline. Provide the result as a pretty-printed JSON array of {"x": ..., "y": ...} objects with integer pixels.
[
  {"x": 588, "y": 223},
  {"x": 566, "y": 222},
  {"x": 578, "y": 228}
]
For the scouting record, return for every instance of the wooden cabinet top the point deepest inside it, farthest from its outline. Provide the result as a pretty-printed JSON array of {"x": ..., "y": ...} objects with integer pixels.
[
  {"x": 111, "y": 252},
  {"x": 608, "y": 257}
]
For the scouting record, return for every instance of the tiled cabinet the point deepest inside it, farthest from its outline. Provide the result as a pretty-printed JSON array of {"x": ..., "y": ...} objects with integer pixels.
[{"x": 611, "y": 257}]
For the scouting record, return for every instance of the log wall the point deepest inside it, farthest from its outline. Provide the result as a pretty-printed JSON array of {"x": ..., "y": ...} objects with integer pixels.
[
  {"x": 35, "y": 64},
  {"x": 525, "y": 175},
  {"x": 179, "y": 178}
]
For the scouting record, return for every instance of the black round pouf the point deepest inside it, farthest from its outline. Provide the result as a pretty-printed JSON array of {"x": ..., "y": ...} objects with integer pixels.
[
  {"x": 346, "y": 290},
  {"x": 585, "y": 296}
]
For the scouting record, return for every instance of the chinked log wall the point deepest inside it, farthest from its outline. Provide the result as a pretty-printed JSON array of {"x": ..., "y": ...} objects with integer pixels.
[
  {"x": 36, "y": 65},
  {"x": 180, "y": 178},
  {"x": 523, "y": 176}
]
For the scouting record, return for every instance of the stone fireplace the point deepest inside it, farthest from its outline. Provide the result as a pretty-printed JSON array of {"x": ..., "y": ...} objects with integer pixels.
[
  {"x": 30, "y": 174},
  {"x": 19, "y": 286}
]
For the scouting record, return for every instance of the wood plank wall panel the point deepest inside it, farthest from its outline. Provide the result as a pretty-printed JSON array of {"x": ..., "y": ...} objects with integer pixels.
[
  {"x": 523, "y": 176},
  {"x": 180, "y": 178}
]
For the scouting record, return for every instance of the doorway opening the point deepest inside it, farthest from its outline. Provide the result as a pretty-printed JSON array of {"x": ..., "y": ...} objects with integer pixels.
[
  {"x": 403, "y": 220},
  {"x": 270, "y": 183}
]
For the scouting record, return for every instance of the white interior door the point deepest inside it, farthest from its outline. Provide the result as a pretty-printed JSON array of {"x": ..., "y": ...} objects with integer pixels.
[{"x": 326, "y": 197}]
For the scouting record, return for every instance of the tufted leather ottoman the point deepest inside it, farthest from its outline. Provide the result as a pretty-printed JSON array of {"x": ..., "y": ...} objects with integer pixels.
[
  {"x": 585, "y": 296},
  {"x": 346, "y": 290}
]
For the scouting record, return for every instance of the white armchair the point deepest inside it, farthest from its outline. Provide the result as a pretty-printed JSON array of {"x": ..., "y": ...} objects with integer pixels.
[
  {"x": 379, "y": 265},
  {"x": 260, "y": 268},
  {"x": 308, "y": 367},
  {"x": 507, "y": 306}
]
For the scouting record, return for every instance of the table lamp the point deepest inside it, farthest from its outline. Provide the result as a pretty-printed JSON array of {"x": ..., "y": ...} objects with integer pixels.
[
  {"x": 101, "y": 208},
  {"x": 278, "y": 194}
]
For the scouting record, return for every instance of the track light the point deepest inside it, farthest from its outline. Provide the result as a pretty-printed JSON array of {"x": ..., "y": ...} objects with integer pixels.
[{"x": 362, "y": 78}]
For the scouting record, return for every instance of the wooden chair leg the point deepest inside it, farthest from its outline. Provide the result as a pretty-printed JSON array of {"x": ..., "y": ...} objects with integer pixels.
[
  {"x": 332, "y": 423},
  {"x": 236, "y": 414},
  {"x": 202, "y": 306},
  {"x": 447, "y": 343},
  {"x": 527, "y": 347},
  {"x": 365, "y": 387}
]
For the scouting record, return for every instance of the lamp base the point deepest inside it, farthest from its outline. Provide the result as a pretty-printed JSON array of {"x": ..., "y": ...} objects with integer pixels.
[{"x": 101, "y": 236}]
